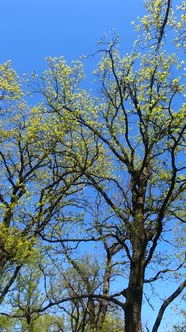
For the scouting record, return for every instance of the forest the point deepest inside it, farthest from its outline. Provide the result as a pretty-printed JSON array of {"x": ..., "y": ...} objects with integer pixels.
[{"x": 92, "y": 208}]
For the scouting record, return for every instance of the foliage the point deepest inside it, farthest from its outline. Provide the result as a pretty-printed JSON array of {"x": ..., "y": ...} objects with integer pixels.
[{"x": 93, "y": 182}]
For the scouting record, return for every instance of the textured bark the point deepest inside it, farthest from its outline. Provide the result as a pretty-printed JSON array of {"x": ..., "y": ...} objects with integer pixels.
[
  {"x": 106, "y": 287},
  {"x": 134, "y": 294}
]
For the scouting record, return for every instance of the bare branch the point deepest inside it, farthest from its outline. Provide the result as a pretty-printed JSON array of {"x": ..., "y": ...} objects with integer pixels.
[{"x": 165, "y": 304}]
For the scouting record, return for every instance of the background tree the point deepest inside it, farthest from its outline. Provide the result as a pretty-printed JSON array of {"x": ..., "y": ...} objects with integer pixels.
[
  {"x": 27, "y": 300},
  {"x": 37, "y": 183},
  {"x": 182, "y": 325}
]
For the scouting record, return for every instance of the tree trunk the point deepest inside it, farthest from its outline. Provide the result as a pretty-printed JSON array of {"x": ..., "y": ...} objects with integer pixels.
[
  {"x": 31, "y": 326},
  {"x": 106, "y": 287},
  {"x": 134, "y": 292}
]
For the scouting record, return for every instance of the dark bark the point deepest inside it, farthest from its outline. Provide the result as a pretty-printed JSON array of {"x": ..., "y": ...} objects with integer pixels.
[
  {"x": 9, "y": 283},
  {"x": 165, "y": 305},
  {"x": 134, "y": 292},
  {"x": 106, "y": 287},
  {"x": 164, "y": 23}
]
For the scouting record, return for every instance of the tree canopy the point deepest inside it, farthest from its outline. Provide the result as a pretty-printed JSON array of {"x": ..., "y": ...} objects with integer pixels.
[{"x": 92, "y": 185}]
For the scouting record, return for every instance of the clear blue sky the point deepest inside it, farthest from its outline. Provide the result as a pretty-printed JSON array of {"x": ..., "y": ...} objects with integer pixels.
[{"x": 31, "y": 30}]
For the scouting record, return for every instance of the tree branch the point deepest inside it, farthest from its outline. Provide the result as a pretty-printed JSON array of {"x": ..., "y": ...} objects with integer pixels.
[{"x": 165, "y": 304}]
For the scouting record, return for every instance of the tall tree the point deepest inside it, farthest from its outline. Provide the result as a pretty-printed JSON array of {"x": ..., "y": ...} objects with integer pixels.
[
  {"x": 138, "y": 120},
  {"x": 122, "y": 145}
]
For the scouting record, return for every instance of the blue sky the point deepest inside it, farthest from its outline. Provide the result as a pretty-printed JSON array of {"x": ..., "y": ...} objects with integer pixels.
[{"x": 31, "y": 30}]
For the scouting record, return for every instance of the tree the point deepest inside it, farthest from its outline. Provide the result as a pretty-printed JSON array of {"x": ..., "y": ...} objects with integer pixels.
[
  {"x": 28, "y": 297},
  {"x": 138, "y": 120},
  {"x": 5, "y": 324},
  {"x": 182, "y": 324},
  {"x": 27, "y": 301},
  {"x": 113, "y": 323},
  {"x": 36, "y": 185},
  {"x": 122, "y": 147},
  {"x": 86, "y": 276}
]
